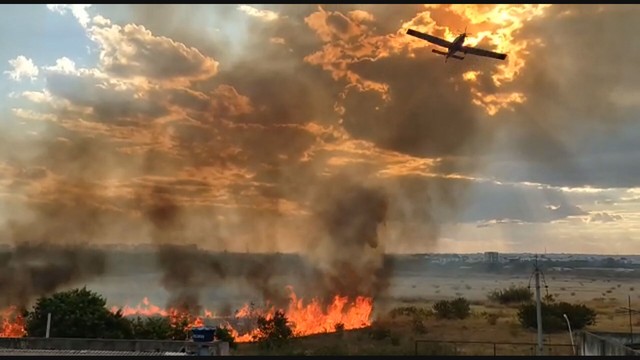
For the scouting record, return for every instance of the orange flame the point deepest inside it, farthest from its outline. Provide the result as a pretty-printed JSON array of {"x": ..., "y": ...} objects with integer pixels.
[
  {"x": 305, "y": 319},
  {"x": 146, "y": 308},
  {"x": 12, "y": 323},
  {"x": 313, "y": 318}
]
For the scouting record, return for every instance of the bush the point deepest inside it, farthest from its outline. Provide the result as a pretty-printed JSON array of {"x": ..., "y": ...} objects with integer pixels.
[
  {"x": 273, "y": 332},
  {"x": 223, "y": 334},
  {"x": 458, "y": 308},
  {"x": 580, "y": 316},
  {"x": 511, "y": 295},
  {"x": 379, "y": 332},
  {"x": 152, "y": 328},
  {"x": 410, "y": 311},
  {"x": 78, "y": 313},
  {"x": 395, "y": 340},
  {"x": 492, "y": 319},
  {"x": 549, "y": 298}
]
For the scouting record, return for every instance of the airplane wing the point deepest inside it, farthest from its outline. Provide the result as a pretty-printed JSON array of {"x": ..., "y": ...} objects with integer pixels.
[
  {"x": 430, "y": 38},
  {"x": 482, "y": 52}
]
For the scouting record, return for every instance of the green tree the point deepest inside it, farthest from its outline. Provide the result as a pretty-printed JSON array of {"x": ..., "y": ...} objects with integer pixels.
[
  {"x": 580, "y": 316},
  {"x": 223, "y": 334},
  {"x": 273, "y": 332},
  {"x": 77, "y": 313},
  {"x": 152, "y": 328},
  {"x": 458, "y": 308},
  {"x": 511, "y": 295}
]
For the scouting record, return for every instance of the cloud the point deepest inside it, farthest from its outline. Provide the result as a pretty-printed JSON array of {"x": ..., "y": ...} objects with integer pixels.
[
  {"x": 133, "y": 51},
  {"x": 571, "y": 129},
  {"x": 498, "y": 222},
  {"x": 23, "y": 67},
  {"x": 79, "y": 11},
  {"x": 327, "y": 111},
  {"x": 64, "y": 65},
  {"x": 265, "y": 15},
  {"x": 603, "y": 217}
]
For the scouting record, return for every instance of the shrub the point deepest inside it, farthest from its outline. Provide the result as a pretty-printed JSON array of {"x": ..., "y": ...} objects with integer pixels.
[
  {"x": 223, "y": 334},
  {"x": 395, "y": 340},
  {"x": 418, "y": 326},
  {"x": 410, "y": 311},
  {"x": 511, "y": 295},
  {"x": 458, "y": 308},
  {"x": 580, "y": 316},
  {"x": 379, "y": 332},
  {"x": 492, "y": 319},
  {"x": 273, "y": 332},
  {"x": 76, "y": 313},
  {"x": 152, "y": 328}
]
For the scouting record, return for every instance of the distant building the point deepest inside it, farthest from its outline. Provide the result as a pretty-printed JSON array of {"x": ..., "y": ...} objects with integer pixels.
[{"x": 491, "y": 257}]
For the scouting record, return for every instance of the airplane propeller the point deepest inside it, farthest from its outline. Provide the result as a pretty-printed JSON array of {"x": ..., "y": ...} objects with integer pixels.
[{"x": 464, "y": 32}]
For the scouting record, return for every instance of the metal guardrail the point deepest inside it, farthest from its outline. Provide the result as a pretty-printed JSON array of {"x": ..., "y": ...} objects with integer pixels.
[{"x": 493, "y": 344}]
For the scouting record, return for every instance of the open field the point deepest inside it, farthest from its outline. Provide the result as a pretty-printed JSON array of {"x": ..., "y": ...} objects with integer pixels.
[
  {"x": 605, "y": 295},
  {"x": 506, "y": 329},
  {"x": 413, "y": 282}
]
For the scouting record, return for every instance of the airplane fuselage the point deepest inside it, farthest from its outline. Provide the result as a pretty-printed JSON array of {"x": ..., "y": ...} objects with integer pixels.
[{"x": 455, "y": 46}]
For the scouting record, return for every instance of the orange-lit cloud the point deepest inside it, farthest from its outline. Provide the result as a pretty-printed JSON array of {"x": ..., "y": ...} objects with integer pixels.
[
  {"x": 350, "y": 40},
  {"x": 317, "y": 92},
  {"x": 265, "y": 15}
]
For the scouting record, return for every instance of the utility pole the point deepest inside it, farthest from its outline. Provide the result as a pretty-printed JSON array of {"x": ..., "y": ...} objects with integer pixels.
[
  {"x": 538, "y": 307},
  {"x": 48, "y": 325},
  {"x": 630, "y": 311},
  {"x": 630, "y": 318}
]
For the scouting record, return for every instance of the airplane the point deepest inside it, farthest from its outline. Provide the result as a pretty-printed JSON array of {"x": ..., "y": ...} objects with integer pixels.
[{"x": 456, "y": 46}]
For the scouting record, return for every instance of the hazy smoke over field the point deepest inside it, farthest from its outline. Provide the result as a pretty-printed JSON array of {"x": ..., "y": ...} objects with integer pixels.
[
  {"x": 317, "y": 131},
  {"x": 48, "y": 250}
]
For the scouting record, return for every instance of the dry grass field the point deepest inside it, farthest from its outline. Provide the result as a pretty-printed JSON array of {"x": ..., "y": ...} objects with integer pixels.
[{"x": 489, "y": 322}]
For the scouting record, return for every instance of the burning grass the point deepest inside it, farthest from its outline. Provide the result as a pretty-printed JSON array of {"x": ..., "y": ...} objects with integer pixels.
[
  {"x": 305, "y": 318},
  {"x": 12, "y": 323}
]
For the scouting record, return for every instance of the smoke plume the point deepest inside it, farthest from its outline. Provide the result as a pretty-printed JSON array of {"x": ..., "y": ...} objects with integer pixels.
[{"x": 297, "y": 129}]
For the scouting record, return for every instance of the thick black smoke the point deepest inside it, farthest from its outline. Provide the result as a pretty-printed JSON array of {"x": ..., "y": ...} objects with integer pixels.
[
  {"x": 349, "y": 256},
  {"x": 50, "y": 237},
  {"x": 32, "y": 270}
]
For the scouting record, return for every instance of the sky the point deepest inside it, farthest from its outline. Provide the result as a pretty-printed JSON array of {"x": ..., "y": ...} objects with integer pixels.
[{"x": 276, "y": 127}]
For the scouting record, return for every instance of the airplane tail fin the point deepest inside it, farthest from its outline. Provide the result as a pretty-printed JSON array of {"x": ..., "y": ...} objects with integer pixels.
[{"x": 445, "y": 54}]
